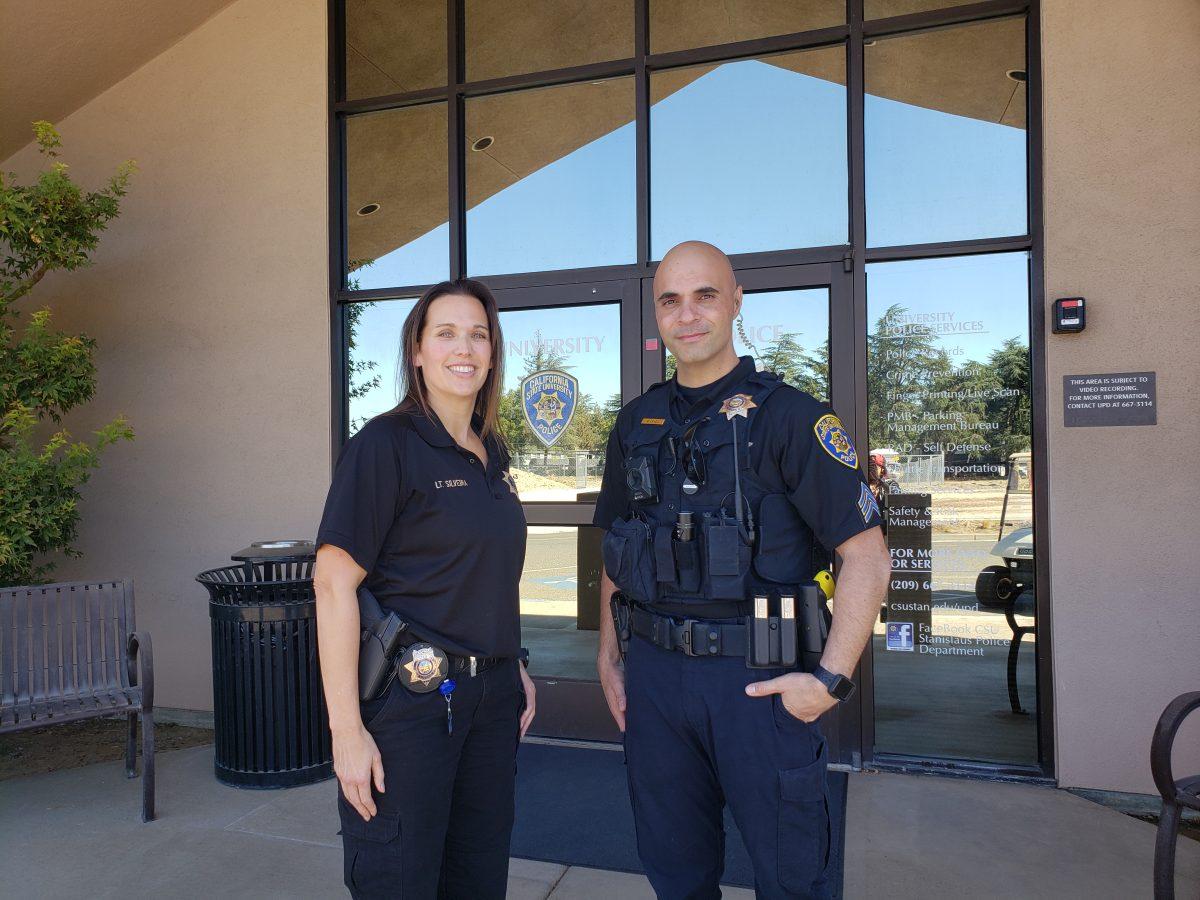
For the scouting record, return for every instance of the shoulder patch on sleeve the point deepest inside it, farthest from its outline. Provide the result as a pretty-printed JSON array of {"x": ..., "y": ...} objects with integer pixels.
[
  {"x": 867, "y": 505},
  {"x": 835, "y": 440}
]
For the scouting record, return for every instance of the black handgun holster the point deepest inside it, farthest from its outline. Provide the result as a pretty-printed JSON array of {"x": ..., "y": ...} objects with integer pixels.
[
  {"x": 379, "y": 643},
  {"x": 621, "y": 621}
]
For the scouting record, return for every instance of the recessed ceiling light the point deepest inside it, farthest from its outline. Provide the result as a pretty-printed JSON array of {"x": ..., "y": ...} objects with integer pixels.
[
  {"x": 368, "y": 209},
  {"x": 1017, "y": 75},
  {"x": 483, "y": 143}
]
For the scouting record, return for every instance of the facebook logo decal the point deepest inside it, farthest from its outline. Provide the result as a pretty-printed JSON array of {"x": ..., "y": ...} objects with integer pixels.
[{"x": 900, "y": 636}]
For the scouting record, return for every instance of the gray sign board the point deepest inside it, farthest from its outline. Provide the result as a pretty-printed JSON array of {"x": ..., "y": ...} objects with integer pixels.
[{"x": 1115, "y": 398}]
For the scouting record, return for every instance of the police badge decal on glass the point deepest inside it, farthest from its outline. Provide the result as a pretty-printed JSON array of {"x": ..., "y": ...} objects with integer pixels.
[{"x": 422, "y": 668}]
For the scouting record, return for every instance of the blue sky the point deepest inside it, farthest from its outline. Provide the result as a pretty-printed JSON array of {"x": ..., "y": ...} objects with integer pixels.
[{"x": 751, "y": 157}]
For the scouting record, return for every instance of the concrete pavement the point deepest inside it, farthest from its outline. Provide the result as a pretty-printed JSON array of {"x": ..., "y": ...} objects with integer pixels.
[{"x": 76, "y": 833}]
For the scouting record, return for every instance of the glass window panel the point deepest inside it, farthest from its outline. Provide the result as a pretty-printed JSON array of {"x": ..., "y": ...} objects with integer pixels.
[
  {"x": 560, "y": 601},
  {"x": 550, "y": 178},
  {"x": 373, "y": 356},
  {"x": 393, "y": 46},
  {"x": 585, "y": 343},
  {"x": 750, "y": 155},
  {"x": 948, "y": 385},
  {"x": 538, "y": 35},
  {"x": 945, "y": 135},
  {"x": 684, "y": 24},
  {"x": 787, "y": 332},
  {"x": 397, "y": 208}
]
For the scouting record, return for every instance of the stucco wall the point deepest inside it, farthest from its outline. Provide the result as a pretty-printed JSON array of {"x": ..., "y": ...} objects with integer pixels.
[
  {"x": 209, "y": 301},
  {"x": 1122, "y": 191}
]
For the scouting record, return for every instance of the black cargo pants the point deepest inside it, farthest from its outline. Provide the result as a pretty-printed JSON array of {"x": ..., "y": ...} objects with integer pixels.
[{"x": 445, "y": 819}]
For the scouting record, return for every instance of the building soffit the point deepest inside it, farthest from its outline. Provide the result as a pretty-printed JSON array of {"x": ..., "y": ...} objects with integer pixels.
[{"x": 56, "y": 55}]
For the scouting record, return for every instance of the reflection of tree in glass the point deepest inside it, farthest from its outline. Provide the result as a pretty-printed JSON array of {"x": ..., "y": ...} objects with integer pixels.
[
  {"x": 1010, "y": 368},
  {"x": 787, "y": 358},
  {"x": 359, "y": 378},
  {"x": 919, "y": 402}
]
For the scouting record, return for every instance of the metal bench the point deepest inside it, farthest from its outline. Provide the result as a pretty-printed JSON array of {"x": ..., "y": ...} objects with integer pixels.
[
  {"x": 1176, "y": 794},
  {"x": 70, "y": 652}
]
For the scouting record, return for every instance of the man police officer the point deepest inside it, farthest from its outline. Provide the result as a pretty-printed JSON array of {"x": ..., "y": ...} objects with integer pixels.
[{"x": 724, "y": 492}]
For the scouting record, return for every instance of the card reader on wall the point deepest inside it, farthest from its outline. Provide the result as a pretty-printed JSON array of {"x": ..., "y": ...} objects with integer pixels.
[{"x": 1069, "y": 315}]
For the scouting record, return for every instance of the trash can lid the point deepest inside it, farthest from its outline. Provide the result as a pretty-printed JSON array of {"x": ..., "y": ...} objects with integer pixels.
[{"x": 275, "y": 551}]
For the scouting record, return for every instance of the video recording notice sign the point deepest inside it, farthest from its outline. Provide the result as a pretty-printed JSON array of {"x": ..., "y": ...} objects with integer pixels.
[
  {"x": 1117, "y": 398},
  {"x": 910, "y": 590}
]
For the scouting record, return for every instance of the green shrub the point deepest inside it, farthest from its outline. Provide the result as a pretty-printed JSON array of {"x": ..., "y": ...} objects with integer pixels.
[{"x": 50, "y": 224}]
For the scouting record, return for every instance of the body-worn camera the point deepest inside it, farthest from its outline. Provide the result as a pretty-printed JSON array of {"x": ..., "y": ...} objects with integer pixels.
[{"x": 641, "y": 480}]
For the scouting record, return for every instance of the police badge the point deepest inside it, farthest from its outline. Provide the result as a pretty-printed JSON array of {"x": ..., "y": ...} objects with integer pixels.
[
  {"x": 737, "y": 405},
  {"x": 422, "y": 667}
]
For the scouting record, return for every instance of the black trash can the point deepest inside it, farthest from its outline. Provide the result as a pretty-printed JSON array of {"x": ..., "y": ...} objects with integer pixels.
[{"x": 269, "y": 717}]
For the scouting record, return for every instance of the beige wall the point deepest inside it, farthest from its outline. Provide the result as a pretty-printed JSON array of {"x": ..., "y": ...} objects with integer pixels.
[
  {"x": 1122, "y": 192},
  {"x": 209, "y": 304},
  {"x": 209, "y": 301}
]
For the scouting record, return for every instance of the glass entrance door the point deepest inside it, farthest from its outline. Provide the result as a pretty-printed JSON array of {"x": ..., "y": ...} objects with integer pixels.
[
  {"x": 598, "y": 345},
  {"x": 570, "y": 362}
]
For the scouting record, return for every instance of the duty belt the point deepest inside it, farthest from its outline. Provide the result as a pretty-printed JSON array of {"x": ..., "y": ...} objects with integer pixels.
[
  {"x": 692, "y": 637},
  {"x": 468, "y": 665},
  {"x": 473, "y": 665}
]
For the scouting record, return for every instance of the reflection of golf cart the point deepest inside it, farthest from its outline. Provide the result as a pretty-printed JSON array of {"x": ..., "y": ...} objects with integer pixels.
[{"x": 998, "y": 586}]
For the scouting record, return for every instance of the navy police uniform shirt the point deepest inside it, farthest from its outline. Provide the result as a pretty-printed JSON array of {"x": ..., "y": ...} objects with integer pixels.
[
  {"x": 786, "y": 453},
  {"x": 441, "y": 535}
]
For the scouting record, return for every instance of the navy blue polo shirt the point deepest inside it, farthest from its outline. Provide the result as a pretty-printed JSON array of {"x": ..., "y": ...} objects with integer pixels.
[
  {"x": 785, "y": 453},
  {"x": 441, "y": 535}
]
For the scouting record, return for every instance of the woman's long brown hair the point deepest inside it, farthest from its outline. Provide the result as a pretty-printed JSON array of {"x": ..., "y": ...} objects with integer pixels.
[{"x": 413, "y": 391}]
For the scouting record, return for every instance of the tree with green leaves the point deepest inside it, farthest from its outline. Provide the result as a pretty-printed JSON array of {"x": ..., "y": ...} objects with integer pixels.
[
  {"x": 51, "y": 224},
  {"x": 362, "y": 375},
  {"x": 787, "y": 358}
]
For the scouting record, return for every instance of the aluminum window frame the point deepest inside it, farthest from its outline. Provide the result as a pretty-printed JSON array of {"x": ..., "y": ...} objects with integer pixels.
[{"x": 853, "y": 256}]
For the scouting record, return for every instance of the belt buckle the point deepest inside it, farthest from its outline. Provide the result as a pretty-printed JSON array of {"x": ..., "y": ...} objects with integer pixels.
[
  {"x": 703, "y": 638},
  {"x": 689, "y": 637},
  {"x": 660, "y": 632}
]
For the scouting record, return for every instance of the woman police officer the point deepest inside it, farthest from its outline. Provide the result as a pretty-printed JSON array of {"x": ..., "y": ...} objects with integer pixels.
[{"x": 423, "y": 512}]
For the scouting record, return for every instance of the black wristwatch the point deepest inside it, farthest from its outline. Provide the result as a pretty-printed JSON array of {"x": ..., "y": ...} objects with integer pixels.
[{"x": 840, "y": 687}]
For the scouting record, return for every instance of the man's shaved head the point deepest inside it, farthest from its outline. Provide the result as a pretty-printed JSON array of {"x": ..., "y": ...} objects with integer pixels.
[
  {"x": 696, "y": 299},
  {"x": 695, "y": 255}
]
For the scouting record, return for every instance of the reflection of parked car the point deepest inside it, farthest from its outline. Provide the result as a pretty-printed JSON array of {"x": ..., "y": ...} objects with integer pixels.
[{"x": 998, "y": 586}]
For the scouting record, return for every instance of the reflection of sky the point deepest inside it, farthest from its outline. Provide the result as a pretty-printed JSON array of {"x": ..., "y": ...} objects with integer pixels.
[
  {"x": 972, "y": 304},
  {"x": 578, "y": 211},
  {"x": 590, "y": 339},
  {"x": 932, "y": 176},
  {"x": 749, "y": 157},
  {"x": 752, "y": 157},
  {"x": 378, "y": 339}
]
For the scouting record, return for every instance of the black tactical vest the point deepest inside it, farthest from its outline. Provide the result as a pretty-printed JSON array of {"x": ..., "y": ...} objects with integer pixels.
[{"x": 650, "y": 558}]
